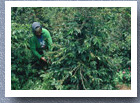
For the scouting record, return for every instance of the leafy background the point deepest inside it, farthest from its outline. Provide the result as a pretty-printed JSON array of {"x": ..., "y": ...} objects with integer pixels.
[{"x": 91, "y": 49}]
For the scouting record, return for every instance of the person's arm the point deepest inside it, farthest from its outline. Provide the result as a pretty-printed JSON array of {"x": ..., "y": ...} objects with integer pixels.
[
  {"x": 49, "y": 39},
  {"x": 33, "y": 48}
]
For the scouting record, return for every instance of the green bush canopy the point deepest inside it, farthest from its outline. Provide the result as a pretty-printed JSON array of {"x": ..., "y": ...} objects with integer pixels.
[{"x": 91, "y": 48}]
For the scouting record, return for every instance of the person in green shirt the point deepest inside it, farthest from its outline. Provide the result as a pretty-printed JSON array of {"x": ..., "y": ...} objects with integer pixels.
[{"x": 41, "y": 41}]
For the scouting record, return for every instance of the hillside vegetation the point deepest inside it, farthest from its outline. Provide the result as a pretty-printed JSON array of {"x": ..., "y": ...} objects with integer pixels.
[{"x": 91, "y": 48}]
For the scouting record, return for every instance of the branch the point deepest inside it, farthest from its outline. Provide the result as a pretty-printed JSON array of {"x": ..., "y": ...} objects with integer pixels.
[{"x": 82, "y": 80}]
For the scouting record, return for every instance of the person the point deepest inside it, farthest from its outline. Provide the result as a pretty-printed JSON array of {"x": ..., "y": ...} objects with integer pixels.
[{"x": 41, "y": 41}]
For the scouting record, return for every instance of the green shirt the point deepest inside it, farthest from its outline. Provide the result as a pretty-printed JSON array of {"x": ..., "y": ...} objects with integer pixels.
[{"x": 35, "y": 44}]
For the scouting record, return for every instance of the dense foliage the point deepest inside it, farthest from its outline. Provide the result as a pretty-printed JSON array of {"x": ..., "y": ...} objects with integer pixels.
[{"x": 91, "y": 48}]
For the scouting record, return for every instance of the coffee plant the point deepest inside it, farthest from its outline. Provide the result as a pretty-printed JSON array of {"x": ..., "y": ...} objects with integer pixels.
[{"x": 91, "y": 48}]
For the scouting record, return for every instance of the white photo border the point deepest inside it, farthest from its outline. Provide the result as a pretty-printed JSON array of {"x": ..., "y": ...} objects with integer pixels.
[{"x": 70, "y": 93}]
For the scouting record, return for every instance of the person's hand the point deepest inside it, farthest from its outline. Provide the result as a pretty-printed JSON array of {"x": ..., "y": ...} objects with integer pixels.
[{"x": 43, "y": 58}]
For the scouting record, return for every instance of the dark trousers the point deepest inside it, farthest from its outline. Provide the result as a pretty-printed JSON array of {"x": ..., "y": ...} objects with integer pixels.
[{"x": 42, "y": 63}]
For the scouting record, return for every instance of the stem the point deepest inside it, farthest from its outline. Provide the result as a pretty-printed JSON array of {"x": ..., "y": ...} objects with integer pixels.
[{"x": 82, "y": 79}]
